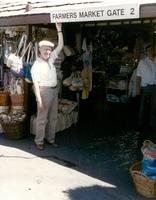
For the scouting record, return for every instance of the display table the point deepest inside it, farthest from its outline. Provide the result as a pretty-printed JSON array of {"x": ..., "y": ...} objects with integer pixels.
[
  {"x": 64, "y": 121},
  {"x": 67, "y": 116}
]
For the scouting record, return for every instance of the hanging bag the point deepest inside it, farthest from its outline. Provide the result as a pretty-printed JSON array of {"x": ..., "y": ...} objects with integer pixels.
[
  {"x": 29, "y": 62},
  {"x": 17, "y": 65},
  {"x": 20, "y": 48},
  {"x": 15, "y": 60}
]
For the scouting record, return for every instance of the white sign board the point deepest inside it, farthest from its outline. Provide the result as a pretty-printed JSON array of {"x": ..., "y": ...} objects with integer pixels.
[{"x": 96, "y": 13}]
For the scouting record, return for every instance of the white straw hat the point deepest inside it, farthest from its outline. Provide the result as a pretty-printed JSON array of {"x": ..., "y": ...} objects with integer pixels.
[{"x": 46, "y": 43}]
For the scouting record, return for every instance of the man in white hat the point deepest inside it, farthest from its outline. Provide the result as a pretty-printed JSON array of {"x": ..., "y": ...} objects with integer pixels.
[{"x": 44, "y": 79}]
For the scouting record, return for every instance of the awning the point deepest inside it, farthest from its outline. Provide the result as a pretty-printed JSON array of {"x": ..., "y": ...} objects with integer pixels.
[{"x": 14, "y": 12}]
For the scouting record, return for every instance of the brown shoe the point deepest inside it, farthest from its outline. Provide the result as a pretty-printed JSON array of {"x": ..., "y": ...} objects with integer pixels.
[
  {"x": 54, "y": 145},
  {"x": 39, "y": 146}
]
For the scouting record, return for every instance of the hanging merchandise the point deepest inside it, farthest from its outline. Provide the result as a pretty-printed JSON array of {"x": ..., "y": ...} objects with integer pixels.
[
  {"x": 19, "y": 86},
  {"x": 87, "y": 63},
  {"x": 58, "y": 64},
  {"x": 13, "y": 54},
  {"x": 16, "y": 85},
  {"x": 15, "y": 60},
  {"x": 12, "y": 84},
  {"x": 74, "y": 81},
  {"x": 87, "y": 53},
  {"x": 17, "y": 64},
  {"x": 86, "y": 83},
  {"x": 139, "y": 50},
  {"x": 133, "y": 84},
  {"x": 9, "y": 47},
  {"x": 68, "y": 51},
  {"x": 28, "y": 63},
  {"x": 6, "y": 80}
]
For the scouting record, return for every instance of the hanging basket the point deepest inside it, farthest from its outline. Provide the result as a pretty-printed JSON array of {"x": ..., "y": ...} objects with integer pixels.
[
  {"x": 144, "y": 185},
  {"x": 14, "y": 130}
]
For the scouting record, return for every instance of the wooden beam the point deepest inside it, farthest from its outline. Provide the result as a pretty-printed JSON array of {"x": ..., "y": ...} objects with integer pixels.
[
  {"x": 25, "y": 19},
  {"x": 148, "y": 11}
]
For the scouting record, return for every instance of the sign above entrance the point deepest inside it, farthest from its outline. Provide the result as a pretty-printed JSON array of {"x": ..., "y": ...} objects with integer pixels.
[{"x": 102, "y": 13}]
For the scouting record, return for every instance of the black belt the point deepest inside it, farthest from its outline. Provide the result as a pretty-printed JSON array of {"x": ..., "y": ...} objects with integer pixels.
[{"x": 48, "y": 87}]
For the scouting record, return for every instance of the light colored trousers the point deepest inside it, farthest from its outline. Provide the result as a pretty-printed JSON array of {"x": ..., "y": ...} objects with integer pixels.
[{"x": 46, "y": 120}]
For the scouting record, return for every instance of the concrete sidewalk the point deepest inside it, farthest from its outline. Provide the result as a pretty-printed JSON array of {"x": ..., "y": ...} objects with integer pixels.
[{"x": 71, "y": 172}]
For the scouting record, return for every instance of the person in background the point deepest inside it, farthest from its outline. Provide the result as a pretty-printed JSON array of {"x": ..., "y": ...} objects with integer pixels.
[
  {"x": 146, "y": 88},
  {"x": 134, "y": 99},
  {"x": 44, "y": 78}
]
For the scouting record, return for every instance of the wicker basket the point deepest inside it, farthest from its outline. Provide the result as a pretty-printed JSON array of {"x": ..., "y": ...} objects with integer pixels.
[
  {"x": 14, "y": 130},
  {"x": 17, "y": 100},
  {"x": 144, "y": 185},
  {"x": 4, "y": 109},
  {"x": 4, "y": 98}
]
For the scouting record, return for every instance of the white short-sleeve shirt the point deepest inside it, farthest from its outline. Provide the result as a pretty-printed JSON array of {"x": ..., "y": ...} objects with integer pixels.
[
  {"x": 44, "y": 72},
  {"x": 147, "y": 71}
]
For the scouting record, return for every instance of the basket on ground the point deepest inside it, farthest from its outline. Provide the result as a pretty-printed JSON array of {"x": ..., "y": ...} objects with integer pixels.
[
  {"x": 14, "y": 130},
  {"x": 144, "y": 185},
  {"x": 17, "y": 99},
  {"x": 4, "y": 98}
]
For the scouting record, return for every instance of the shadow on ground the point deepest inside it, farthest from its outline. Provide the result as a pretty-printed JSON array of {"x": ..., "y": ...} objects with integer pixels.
[{"x": 100, "y": 146}]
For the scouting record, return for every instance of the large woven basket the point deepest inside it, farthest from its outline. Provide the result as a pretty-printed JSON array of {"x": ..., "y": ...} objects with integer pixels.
[
  {"x": 144, "y": 185},
  {"x": 14, "y": 130},
  {"x": 17, "y": 100},
  {"x": 4, "y": 98}
]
